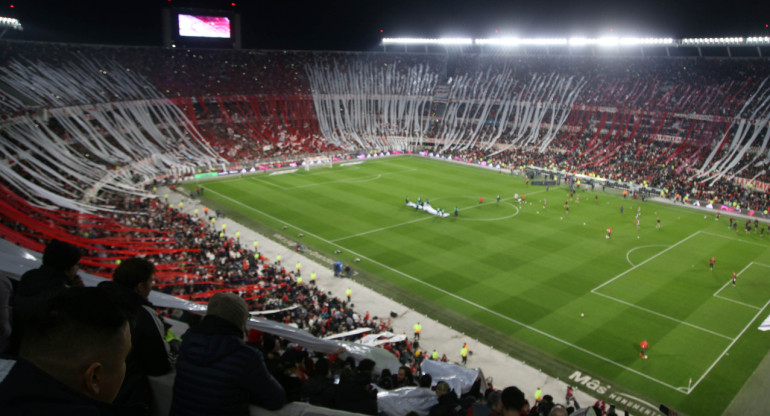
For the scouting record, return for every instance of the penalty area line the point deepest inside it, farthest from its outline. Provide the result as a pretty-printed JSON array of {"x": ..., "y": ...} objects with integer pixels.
[
  {"x": 466, "y": 301},
  {"x": 716, "y": 294}
]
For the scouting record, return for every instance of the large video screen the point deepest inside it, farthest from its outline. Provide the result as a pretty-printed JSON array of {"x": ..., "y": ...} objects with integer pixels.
[{"x": 204, "y": 26}]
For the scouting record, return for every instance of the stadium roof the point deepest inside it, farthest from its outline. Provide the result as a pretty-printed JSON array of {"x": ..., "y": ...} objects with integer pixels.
[{"x": 361, "y": 25}]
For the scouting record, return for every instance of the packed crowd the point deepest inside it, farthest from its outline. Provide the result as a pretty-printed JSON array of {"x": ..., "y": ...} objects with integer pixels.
[
  {"x": 637, "y": 165},
  {"x": 258, "y": 107},
  {"x": 199, "y": 262}
]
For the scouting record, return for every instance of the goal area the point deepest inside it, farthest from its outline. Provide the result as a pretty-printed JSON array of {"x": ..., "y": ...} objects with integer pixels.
[{"x": 317, "y": 162}]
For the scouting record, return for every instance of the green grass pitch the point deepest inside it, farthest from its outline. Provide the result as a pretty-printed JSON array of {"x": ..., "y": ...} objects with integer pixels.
[{"x": 518, "y": 276}]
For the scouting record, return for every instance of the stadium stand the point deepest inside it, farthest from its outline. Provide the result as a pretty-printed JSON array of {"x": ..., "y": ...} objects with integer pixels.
[{"x": 86, "y": 150}]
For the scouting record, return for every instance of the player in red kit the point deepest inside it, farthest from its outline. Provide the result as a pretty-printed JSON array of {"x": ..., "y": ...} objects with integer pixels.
[
  {"x": 644, "y": 344},
  {"x": 711, "y": 264},
  {"x": 735, "y": 276}
]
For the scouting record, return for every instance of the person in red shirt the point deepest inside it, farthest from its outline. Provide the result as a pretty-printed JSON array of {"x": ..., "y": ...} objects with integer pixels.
[
  {"x": 644, "y": 344},
  {"x": 711, "y": 264},
  {"x": 735, "y": 276}
]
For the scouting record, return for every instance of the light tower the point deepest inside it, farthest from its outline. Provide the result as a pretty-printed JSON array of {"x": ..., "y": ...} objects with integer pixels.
[{"x": 9, "y": 23}]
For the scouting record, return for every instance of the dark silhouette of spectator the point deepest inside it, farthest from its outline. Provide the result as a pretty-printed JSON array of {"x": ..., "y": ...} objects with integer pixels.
[
  {"x": 58, "y": 272},
  {"x": 492, "y": 407},
  {"x": 318, "y": 390},
  {"x": 447, "y": 401},
  {"x": 426, "y": 380},
  {"x": 513, "y": 401},
  {"x": 150, "y": 356},
  {"x": 216, "y": 372},
  {"x": 355, "y": 392},
  {"x": 72, "y": 358},
  {"x": 6, "y": 292},
  {"x": 288, "y": 375},
  {"x": 385, "y": 380}
]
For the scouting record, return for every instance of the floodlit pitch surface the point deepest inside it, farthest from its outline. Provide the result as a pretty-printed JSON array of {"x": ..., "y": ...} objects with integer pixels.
[{"x": 518, "y": 276}]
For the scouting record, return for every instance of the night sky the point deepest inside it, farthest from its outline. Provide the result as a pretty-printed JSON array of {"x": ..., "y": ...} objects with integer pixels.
[{"x": 356, "y": 24}]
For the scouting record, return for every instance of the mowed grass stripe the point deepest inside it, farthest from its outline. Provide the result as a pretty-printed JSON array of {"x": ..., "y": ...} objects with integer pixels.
[{"x": 534, "y": 269}]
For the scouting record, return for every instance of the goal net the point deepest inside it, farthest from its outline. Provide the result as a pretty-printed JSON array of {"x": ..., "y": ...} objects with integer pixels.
[{"x": 317, "y": 162}]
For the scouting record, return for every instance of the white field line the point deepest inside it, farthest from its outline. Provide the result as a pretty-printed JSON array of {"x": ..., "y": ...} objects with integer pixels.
[
  {"x": 637, "y": 248},
  {"x": 268, "y": 183},
  {"x": 736, "y": 239},
  {"x": 733, "y": 340},
  {"x": 643, "y": 263},
  {"x": 664, "y": 316},
  {"x": 471, "y": 303},
  {"x": 350, "y": 180},
  {"x": 382, "y": 229},
  {"x": 425, "y": 218},
  {"x": 708, "y": 370},
  {"x": 716, "y": 294}
]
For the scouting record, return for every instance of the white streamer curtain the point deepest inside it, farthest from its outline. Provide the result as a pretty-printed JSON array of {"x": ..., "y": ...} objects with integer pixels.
[
  {"x": 518, "y": 111},
  {"x": 750, "y": 134},
  {"x": 106, "y": 117},
  {"x": 359, "y": 104}
]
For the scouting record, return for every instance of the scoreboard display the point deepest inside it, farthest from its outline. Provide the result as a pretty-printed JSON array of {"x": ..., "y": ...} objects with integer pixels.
[{"x": 201, "y": 28}]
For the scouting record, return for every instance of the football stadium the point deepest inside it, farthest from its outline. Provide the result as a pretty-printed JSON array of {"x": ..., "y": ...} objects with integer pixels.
[{"x": 439, "y": 226}]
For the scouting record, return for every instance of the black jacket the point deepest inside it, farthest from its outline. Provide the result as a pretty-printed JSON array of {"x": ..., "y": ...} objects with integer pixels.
[
  {"x": 218, "y": 374},
  {"x": 29, "y": 391},
  {"x": 319, "y": 391},
  {"x": 150, "y": 354},
  {"x": 353, "y": 395},
  {"x": 448, "y": 405},
  {"x": 35, "y": 288}
]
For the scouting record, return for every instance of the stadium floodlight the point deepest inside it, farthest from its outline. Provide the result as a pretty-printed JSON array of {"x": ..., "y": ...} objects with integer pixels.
[
  {"x": 521, "y": 41},
  {"x": 712, "y": 41},
  {"x": 758, "y": 40},
  {"x": 426, "y": 41},
  {"x": 9, "y": 23},
  {"x": 646, "y": 41},
  {"x": 606, "y": 41}
]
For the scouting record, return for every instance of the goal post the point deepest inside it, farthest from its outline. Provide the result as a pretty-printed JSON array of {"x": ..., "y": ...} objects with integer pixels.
[{"x": 317, "y": 162}]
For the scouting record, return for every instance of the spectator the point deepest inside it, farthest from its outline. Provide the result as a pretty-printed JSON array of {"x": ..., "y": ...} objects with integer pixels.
[
  {"x": 403, "y": 378},
  {"x": 217, "y": 373},
  {"x": 386, "y": 380},
  {"x": 492, "y": 407},
  {"x": 318, "y": 390},
  {"x": 6, "y": 292},
  {"x": 426, "y": 380},
  {"x": 150, "y": 356},
  {"x": 288, "y": 375},
  {"x": 447, "y": 400},
  {"x": 72, "y": 358},
  {"x": 559, "y": 410},
  {"x": 58, "y": 272},
  {"x": 513, "y": 401},
  {"x": 355, "y": 392}
]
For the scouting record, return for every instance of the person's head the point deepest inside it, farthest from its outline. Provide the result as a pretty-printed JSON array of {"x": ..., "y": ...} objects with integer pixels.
[
  {"x": 426, "y": 380},
  {"x": 135, "y": 274},
  {"x": 442, "y": 388},
  {"x": 404, "y": 374},
  {"x": 322, "y": 367},
  {"x": 558, "y": 410},
  {"x": 82, "y": 339},
  {"x": 495, "y": 401},
  {"x": 63, "y": 257},
  {"x": 513, "y": 401},
  {"x": 366, "y": 366},
  {"x": 230, "y": 307}
]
